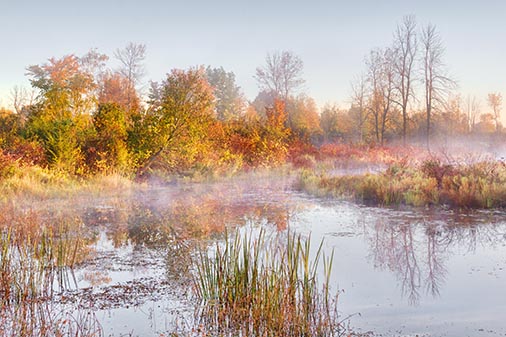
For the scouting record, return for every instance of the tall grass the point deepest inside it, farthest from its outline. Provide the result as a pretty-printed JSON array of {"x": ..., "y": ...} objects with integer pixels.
[
  {"x": 257, "y": 286},
  {"x": 36, "y": 259}
]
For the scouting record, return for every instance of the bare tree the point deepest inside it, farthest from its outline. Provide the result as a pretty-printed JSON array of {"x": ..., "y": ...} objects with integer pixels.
[
  {"x": 358, "y": 102},
  {"x": 132, "y": 67},
  {"x": 495, "y": 102},
  {"x": 281, "y": 74},
  {"x": 472, "y": 111},
  {"x": 382, "y": 91},
  {"x": 436, "y": 82},
  {"x": 405, "y": 49},
  {"x": 21, "y": 99}
]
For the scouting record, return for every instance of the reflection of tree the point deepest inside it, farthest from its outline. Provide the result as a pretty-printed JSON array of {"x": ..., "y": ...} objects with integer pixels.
[
  {"x": 394, "y": 248},
  {"x": 436, "y": 271},
  {"x": 416, "y": 251}
]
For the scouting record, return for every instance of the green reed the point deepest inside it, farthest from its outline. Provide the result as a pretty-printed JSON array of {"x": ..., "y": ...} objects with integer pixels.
[{"x": 259, "y": 286}]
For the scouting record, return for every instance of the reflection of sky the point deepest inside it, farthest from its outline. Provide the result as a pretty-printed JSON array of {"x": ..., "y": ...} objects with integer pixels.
[
  {"x": 471, "y": 294},
  {"x": 332, "y": 37}
]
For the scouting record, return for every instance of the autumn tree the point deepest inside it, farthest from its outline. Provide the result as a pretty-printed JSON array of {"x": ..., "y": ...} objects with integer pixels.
[
  {"x": 495, "y": 102},
  {"x": 336, "y": 124},
  {"x": 61, "y": 114},
  {"x": 117, "y": 89},
  {"x": 229, "y": 100},
  {"x": 282, "y": 74},
  {"x": 437, "y": 83},
  {"x": 132, "y": 69},
  {"x": 303, "y": 118},
  {"x": 183, "y": 109},
  {"x": 405, "y": 51},
  {"x": 64, "y": 87},
  {"x": 111, "y": 136}
]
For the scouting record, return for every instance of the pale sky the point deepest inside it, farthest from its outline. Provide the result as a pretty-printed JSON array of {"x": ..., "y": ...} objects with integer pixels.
[{"x": 331, "y": 37}]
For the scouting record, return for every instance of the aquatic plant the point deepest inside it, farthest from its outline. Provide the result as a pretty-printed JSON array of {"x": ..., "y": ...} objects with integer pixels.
[{"x": 259, "y": 286}]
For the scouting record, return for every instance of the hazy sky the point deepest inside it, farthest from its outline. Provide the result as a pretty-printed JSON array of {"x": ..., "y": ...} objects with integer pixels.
[{"x": 331, "y": 37}]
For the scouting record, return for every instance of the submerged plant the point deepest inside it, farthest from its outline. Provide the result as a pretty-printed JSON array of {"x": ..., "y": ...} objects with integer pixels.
[{"x": 258, "y": 286}]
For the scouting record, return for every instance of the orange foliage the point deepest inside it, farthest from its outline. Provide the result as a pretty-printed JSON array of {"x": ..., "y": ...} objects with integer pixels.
[{"x": 116, "y": 88}]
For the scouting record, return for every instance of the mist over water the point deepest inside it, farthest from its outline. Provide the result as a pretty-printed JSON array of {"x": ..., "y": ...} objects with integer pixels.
[{"x": 400, "y": 271}]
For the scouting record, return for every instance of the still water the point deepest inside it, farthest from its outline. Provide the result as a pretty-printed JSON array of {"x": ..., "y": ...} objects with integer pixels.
[{"x": 399, "y": 272}]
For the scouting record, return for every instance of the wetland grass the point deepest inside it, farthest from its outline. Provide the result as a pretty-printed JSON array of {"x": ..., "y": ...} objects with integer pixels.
[
  {"x": 475, "y": 185},
  {"x": 259, "y": 286},
  {"x": 36, "y": 261}
]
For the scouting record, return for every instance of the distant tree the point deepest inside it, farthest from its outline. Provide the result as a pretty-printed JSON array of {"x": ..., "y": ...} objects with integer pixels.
[
  {"x": 183, "y": 109},
  {"x": 472, "y": 112},
  {"x": 22, "y": 98},
  {"x": 405, "y": 51},
  {"x": 452, "y": 120},
  {"x": 486, "y": 124},
  {"x": 303, "y": 118},
  {"x": 336, "y": 124},
  {"x": 230, "y": 102},
  {"x": 495, "y": 102},
  {"x": 437, "y": 83},
  {"x": 262, "y": 101},
  {"x": 94, "y": 63},
  {"x": 132, "y": 68},
  {"x": 281, "y": 74},
  {"x": 381, "y": 91},
  {"x": 117, "y": 89},
  {"x": 359, "y": 108}
]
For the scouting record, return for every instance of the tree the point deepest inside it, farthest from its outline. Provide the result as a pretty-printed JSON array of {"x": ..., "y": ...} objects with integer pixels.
[
  {"x": 61, "y": 116},
  {"x": 303, "y": 117},
  {"x": 111, "y": 128},
  {"x": 132, "y": 68},
  {"x": 22, "y": 99},
  {"x": 64, "y": 87},
  {"x": 405, "y": 49},
  {"x": 181, "y": 114},
  {"x": 336, "y": 124},
  {"x": 115, "y": 88},
  {"x": 436, "y": 82},
  {"x": 495, "y": 102},
  {"x": 229, "y": 101},
  {"x": 472, "y": 112},
  {"x": 281, "y": 74},
  {"x": 358, "y": 105},
  {"x": 381, "y": 91}
]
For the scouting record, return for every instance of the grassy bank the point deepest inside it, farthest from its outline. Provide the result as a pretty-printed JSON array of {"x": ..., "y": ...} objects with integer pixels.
[{"x": 475, "y": 185}]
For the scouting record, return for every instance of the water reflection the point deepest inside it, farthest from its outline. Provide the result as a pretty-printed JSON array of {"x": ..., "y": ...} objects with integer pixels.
[
  {"x": 416, "y": 251},
  {"x": 136, "y": 250}
]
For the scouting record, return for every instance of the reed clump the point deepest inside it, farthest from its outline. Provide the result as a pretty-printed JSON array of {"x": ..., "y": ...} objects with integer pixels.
[
  {"x": 36, "y": 260},
  {"x": 255, "y": 286},
  {"x": 432, "y": 182}
]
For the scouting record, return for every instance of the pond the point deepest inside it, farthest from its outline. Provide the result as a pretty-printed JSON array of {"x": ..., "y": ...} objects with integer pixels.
[{"x": 399, "y": 272}]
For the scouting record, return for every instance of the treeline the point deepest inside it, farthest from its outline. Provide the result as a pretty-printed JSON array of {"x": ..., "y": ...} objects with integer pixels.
[
  {"x": 82, "y": 117},
  {"x": 85, "y": 119}
]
